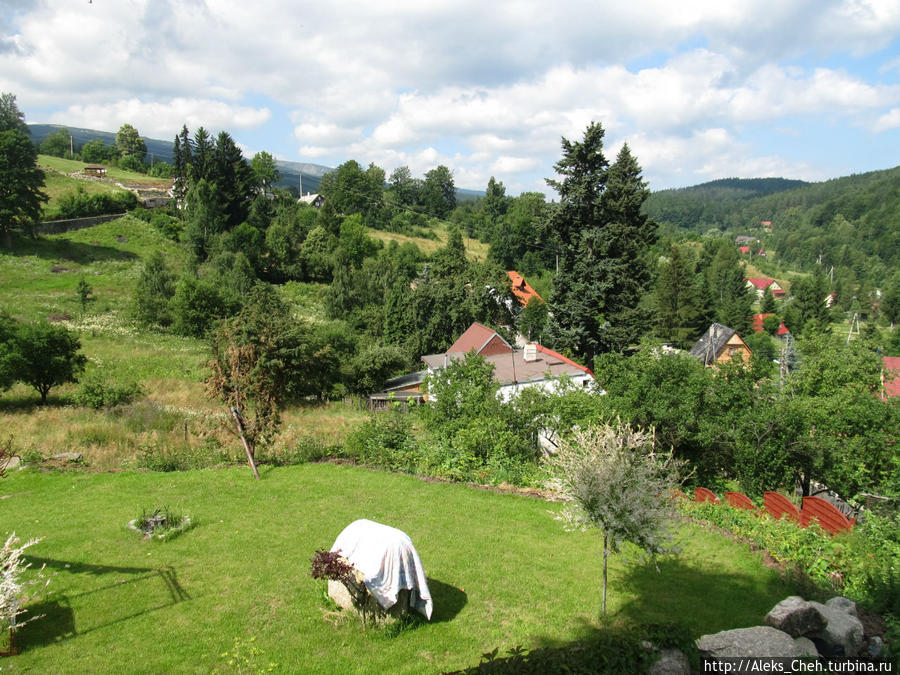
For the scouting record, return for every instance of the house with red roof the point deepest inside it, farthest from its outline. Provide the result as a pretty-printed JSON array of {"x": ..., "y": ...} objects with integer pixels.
[
  {"x": 521, "y": 289},
  {"x": 760, "y": 284},
  {"x": 514, "y": 368},
  {"x": 757, "y": 324},
  {"x": 890, "y": 376}
]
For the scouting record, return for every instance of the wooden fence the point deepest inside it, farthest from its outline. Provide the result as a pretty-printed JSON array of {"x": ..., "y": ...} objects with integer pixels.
[{"x": 815, "y": 509}]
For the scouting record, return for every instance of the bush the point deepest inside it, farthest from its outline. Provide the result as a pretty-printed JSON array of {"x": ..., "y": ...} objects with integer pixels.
[
  {"x": 82, "y": 205},
  {"x": 307, "y": 449},
  {"x": 165, "y": 458},
  {"x": 96, "y": 392},
  {"x": 385, "y": 440}
]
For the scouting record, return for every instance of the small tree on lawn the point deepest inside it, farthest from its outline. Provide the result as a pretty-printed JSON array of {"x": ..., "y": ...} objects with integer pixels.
[
  {"x": 47, "y": 356},
  {"x": 261, "y": 357},
  {"x": 85, "y": 295},
  {"x": 617, "y": 483}
]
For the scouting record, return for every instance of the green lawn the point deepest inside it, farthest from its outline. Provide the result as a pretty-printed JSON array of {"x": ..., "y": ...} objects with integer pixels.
[{"x": 502, "y": 573}]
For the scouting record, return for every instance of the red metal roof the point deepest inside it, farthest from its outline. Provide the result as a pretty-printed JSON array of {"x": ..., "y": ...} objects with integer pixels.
[
  {"x": 550, "y": 352},
  {"x": 892, "y": 375},
  {"x": 758, "y": 324},
  {"x": 475, "y": 338},
  {"x": 522, "y": 290}
]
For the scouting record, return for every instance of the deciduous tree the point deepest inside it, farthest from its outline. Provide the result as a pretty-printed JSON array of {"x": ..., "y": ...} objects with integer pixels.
[
  {"x": 130, "y": 143},
  {"x": 619, "y": 483},
  {"x": 47, "y": 356}
]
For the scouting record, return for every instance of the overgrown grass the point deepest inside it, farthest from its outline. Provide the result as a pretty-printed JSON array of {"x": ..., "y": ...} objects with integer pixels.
[
  {"x": 475, "y": 249},
  {"x": 501, "y": 570}
]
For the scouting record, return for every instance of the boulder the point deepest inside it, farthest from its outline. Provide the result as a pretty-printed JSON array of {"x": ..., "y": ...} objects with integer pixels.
[
  {"x": 759, "y": 641},
  {"x": 843, "y": 605},
  {"x": 795, "y": 616},
  {"x": 807, "y": 646},
  {"x": 671, "y": 662},
  {"x": 842, "y": 634}
]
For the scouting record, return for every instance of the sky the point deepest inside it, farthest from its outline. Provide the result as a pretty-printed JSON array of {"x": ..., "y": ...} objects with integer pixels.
[{"x": 699, "y": 89}]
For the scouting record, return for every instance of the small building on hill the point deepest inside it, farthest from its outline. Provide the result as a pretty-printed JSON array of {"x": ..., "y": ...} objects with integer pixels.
[
  {"x": 760, "y": 284},
  {"x": 720, "y": 344},
  {"x": 757, "y": 324},
  {"x": 314, "y": 200},
  {"x": 521, "y": 289},
  {"x": 514, "y": 368},
  {"x": 95, "y": 170}
]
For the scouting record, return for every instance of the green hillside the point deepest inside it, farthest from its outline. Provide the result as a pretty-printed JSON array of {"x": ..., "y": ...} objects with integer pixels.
[{"x": 851, "y": 222}]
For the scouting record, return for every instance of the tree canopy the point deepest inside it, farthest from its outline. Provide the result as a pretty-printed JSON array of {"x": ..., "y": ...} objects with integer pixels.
[{"x": 21, "y": 179}]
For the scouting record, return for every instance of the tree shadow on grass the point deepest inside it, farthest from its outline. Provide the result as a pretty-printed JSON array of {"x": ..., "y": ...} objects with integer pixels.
[
  {"x": 670, "y": 608},
  {"x": 704, "y": 600},
  {"x": 448, "y": 600},
  {"x": 65, "y": 250},
  {"x": 58, "y": 620}
]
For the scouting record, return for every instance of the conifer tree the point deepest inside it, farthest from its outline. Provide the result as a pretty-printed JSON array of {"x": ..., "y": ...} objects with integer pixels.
[
  {"x": 602, "y": 237},
  {"x": 678, "y": 317}
]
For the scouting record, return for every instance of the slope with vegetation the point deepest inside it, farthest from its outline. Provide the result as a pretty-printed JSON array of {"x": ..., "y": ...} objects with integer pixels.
[{"x": 240, "y": 324}]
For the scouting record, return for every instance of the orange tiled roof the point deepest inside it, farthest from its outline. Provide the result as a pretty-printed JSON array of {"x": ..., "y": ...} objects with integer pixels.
[{"x": 521, "y": 289}]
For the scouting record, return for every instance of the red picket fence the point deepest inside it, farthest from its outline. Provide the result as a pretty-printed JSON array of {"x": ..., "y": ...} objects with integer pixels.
[
  {"x": 778, "y": 506},
  {"x": 739, "y": 501},
  {"x": 701, "y": 494},
  {"x": 830, "y": 519}
]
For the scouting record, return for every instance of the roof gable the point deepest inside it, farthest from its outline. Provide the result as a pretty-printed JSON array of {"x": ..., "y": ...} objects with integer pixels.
[
  {"x": 477, "y": 338},
  {"x": 712, "y": 342}
]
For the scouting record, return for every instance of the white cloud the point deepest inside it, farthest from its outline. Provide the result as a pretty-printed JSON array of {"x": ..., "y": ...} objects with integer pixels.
[
  {"x": 890, "y": 120},
  {"x": 482, "y": 87}
]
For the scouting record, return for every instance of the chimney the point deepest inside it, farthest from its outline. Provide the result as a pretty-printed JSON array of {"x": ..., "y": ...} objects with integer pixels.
[{"x": 530, "y": 354}]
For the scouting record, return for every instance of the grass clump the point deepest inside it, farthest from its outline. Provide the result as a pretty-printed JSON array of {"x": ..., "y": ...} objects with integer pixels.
[{"x": 161, "y": 524}]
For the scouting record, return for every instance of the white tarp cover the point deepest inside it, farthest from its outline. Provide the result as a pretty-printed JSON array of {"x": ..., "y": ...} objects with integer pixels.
[{"x": 388, "y": 560}]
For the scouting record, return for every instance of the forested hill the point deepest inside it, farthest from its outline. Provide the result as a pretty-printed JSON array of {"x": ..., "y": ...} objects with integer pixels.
[{"x": 852, "y": 221}]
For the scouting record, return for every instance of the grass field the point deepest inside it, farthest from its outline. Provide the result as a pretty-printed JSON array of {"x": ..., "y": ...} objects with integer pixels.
[
  {"x": 112, "y": 172},
  {"x": 501, "y": 570},
  {"x": 477, "y": 250},
  {"x": 40, "y": 277}
]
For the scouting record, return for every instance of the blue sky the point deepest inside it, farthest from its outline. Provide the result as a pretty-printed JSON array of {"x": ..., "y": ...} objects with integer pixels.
[{"x": 700, "y": 90}]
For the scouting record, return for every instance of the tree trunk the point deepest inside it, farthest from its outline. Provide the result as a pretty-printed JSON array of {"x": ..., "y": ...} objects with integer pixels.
[
  {"x": 605, "y": 559},
  {"x": 239, "y": 422}
]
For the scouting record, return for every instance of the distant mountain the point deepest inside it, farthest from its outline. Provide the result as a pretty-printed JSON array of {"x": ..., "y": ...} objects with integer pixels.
[{"x": 162, "y": 151}]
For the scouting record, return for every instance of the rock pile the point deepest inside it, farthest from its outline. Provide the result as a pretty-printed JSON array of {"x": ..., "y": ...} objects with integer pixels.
[{"x": 795, "y": 628}]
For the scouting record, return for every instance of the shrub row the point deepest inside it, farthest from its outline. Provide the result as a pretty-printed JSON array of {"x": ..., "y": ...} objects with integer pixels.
[{"x": 82, "y": 205}]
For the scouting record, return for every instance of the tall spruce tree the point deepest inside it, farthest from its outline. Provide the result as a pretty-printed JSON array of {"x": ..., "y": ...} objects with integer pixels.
[
  {"x": 678, "y": 315},
  {"x": 602, "y": 237}
]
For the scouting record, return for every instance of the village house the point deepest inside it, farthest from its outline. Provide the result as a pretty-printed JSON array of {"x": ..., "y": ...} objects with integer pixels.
[
  {"x": 314, "y": 200},
  {"x": 514, "y": 369},
  {"x": 720, "y": 344},
  {"x": 757, "y": 324},
  {"x": 760, "y": 284},
  {"x": 521, "y": 289}
]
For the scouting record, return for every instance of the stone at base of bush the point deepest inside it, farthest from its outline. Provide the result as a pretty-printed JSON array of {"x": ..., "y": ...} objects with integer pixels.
[{"x": 358, "y": 599}]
